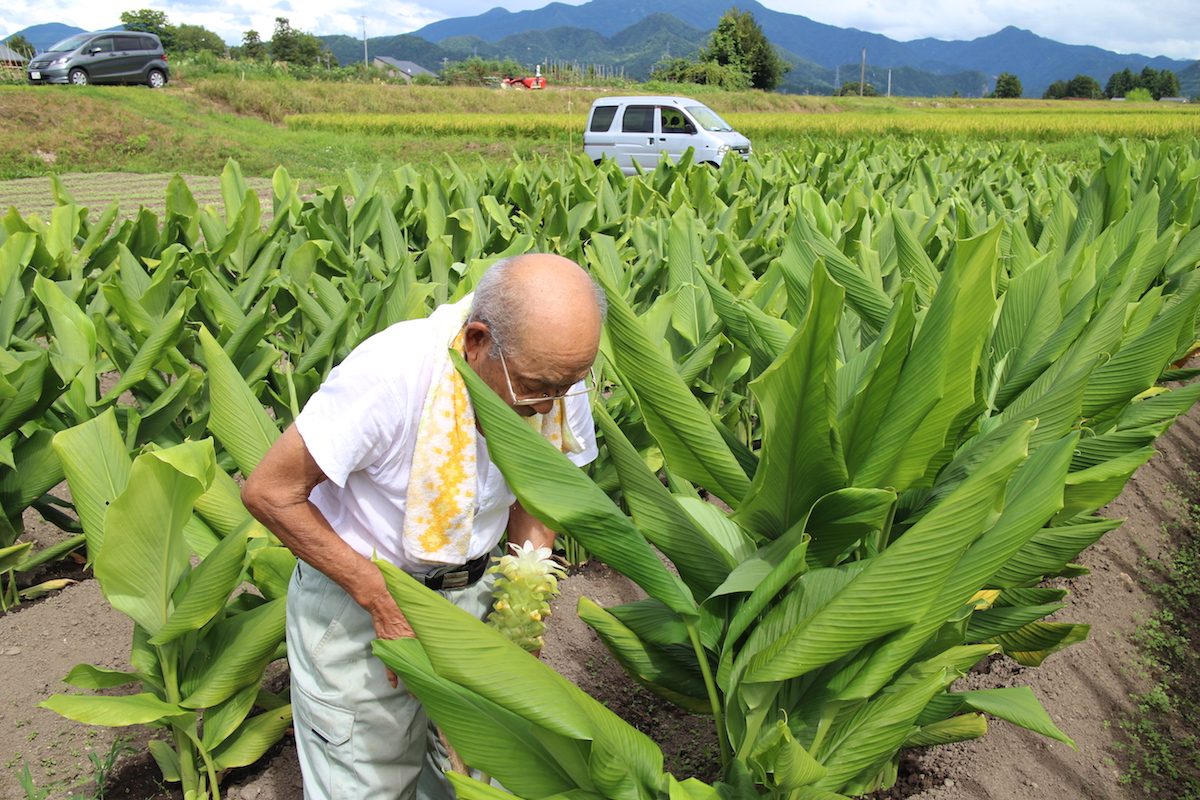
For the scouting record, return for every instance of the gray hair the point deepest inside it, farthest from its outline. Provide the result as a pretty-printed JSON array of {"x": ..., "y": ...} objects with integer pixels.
[{"x": 498, "y": 305}]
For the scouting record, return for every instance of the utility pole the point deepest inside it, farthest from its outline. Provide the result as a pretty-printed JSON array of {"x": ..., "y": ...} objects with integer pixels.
[
  {"x": 837, "y": 78},
  {"x": 366, "y": 63},
  {"x": 889, "y": 81},
  {"x": 862, "y": 74}
]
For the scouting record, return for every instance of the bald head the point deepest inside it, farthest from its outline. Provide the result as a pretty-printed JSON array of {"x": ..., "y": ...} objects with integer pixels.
[
  {"x": 530, "y": 300},
  {"x": 534, "y": 328}
]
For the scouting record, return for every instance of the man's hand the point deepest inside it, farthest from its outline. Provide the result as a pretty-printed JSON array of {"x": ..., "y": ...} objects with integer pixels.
[
  {"x": 390, "y": 623},
  {"x": 525, "y": 527},
  {"x": 277, "y": 494}
]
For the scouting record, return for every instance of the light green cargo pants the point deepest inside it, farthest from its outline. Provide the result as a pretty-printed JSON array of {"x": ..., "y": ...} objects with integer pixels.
[{"x": 357, "y": 737}]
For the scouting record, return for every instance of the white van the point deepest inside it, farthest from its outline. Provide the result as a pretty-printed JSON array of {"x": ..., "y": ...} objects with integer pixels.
[{"x": 637, "y": 130}]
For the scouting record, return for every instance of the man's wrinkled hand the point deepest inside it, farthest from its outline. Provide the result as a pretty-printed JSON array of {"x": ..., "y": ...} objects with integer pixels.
[{"x": 390, "y": 623}]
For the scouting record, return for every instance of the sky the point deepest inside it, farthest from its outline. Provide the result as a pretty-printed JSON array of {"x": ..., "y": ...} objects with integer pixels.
[{"x": 1169, "y": 27}]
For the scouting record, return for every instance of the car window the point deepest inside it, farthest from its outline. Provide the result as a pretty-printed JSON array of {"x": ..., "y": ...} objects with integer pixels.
[
  {"x": 148, "y": 43},
  {"x": 130, "y": 43},
  {"x": 673, "y": 120},
  {"x": 602, "y": 118},
  {"x": 708, "y": 119},
  {"x": 70, "y": 43},
  {"x": 104, "y": 44},
  {"x": 638, "y": 119}
]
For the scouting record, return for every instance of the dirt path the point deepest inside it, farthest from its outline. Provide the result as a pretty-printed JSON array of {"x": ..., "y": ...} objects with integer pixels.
[
  {"x": 97, "y": 190},
  {"x": 1085, "y": 688},
  {"x": 38, "y": 646}
]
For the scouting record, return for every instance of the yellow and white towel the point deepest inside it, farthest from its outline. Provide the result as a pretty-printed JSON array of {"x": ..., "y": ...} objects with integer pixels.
[{"x": 442, "y": 484}]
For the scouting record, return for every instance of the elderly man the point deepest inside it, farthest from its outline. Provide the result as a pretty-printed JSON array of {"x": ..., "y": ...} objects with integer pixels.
[{"x": 386, "y": 459}]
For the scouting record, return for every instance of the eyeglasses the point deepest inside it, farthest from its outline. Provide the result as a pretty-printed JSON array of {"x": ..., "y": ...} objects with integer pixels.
[{"x": 533, "y": 401}]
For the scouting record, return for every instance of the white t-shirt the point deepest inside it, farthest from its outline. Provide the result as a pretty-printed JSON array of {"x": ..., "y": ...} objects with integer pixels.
[{"x": 361, "y": 429}]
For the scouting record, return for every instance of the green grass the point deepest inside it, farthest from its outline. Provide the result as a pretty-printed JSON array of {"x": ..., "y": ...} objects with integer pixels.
[
  {"x": 194, "y": 127},
  {"x": 1159, "y": 745},
  {"x": 52, "y": 129}
]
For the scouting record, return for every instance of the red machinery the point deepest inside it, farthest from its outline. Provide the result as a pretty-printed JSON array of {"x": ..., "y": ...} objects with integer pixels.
[{"x": 535, "y": 81}]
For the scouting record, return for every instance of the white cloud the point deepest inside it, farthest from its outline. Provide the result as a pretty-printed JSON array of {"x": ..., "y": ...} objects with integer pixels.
[{"x": 1117, "y": 25}]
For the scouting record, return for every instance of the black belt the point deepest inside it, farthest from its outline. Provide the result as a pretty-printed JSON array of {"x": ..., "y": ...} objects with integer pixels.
[{"x": 459, "y": 577}]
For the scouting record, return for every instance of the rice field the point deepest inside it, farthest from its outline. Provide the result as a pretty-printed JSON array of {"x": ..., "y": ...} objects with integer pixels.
[{"x": 910, "y": 118}]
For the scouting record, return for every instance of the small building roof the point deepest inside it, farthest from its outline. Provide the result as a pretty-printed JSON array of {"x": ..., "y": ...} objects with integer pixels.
[
  {"x": 8, "y": 55},
  {"x": 407, "y": 67}
]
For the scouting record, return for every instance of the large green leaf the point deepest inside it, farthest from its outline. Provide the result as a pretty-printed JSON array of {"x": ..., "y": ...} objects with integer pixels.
[
  {"x": 697, "y": 552},
  {"x": 693, "y": 313},
  {"x": 1032, "y": 496},
  {"x": 896, "y": 588},
  {"x": 568, "y": 501},
  {"x": 144, "y": 554},
  {"x": 209, "y": 586},
  {"x": 651, "y": 665},
  {"x": 683, "y": 428},
  {"x": 809, "y": 245},
  {"x": 879, "y": 727},
  {"x": 74, "y": 345},
  {"x": 37, "y": 471},
  {"x": 116, "y": 712},
  {"x": 1034, "y": 643},
  {"x": 253, "y": 739},
  {"x": 86, "y": 676},
  {"x": 1015, "y": 704},
  {"x": 165, "y": 335},
  {"x": 1050, "y": 550},
  {"x": 237, "y": 418},
  {"x": 484, "y": 733},
  {"x": 801, "y": 457},
  {"x": 959, "y": 728},
  {"x": 941, "y": 366},
  {"x": 221, "y": 720},
  {"x": 623, "y": 763},
  {"x": 238, "y": 649}
]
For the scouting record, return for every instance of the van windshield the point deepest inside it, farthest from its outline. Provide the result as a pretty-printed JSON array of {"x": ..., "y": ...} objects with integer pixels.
[
  {"x": 708, "y": 119},
  {"x": 70, "y": 43}
]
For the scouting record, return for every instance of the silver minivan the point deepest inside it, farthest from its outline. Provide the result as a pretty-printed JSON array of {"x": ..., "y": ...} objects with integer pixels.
[
  {"x": 102, "y": 57},
  {"x": 639, "y": 130}
]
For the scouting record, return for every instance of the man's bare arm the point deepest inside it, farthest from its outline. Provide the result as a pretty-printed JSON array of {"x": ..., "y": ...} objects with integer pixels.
[
  {"x": 276, "y": 493},
  {"x": 525, "y": 527}
]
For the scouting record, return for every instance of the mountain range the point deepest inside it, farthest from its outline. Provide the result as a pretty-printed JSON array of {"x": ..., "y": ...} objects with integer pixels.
[
  {"x": 631, "y": 38},
  {"x": 808, "y": 44}
]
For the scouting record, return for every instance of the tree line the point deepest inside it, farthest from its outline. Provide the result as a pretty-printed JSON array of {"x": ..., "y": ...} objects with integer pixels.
[
  {"x": 736, "y": 56},
  {"x": 1149, "y": 84},
  {"x": 287, "y": 44}
]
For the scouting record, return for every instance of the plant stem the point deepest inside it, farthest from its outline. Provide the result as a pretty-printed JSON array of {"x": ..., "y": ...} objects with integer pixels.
[
  {"x": 208, "y": 764},
  {"x": 188, "y": 777},
  {"x": 52, "y": 553},
  {"x": 885, "y": 532},
  {"x": 713, "y": 699},
  {"x": 827, "y": 714}
]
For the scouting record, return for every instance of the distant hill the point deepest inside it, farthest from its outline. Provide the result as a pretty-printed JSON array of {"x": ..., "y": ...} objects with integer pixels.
[
  {"x": 42, "y": 36},
  {"x": 1037, "y": 61},
  {"x": 1189, "y": 80},
  {"x": 405, "y": 47},
  {"x": 607, "y": 17},
  {"x": 635, "y": 50}
]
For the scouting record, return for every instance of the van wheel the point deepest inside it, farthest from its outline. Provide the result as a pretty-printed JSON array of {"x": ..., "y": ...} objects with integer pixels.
[
  {"x": 78, "y": 77},
  {"x": 156, "y": 79}
]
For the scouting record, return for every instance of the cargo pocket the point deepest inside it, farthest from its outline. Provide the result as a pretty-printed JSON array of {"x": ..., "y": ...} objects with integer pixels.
[{"x": 328, "y": 728}]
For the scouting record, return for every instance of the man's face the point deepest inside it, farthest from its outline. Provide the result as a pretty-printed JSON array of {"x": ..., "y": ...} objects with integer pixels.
[
  {"x": 536, "y": 371},
  {"x": 525, "y": 387}
]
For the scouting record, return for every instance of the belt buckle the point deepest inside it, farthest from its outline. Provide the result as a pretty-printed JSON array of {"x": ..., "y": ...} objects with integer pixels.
[{"x": 456, "y": 580}]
